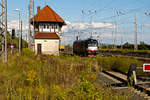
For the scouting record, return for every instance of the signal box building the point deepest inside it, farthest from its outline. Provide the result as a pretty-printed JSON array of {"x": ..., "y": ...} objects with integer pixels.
[{"x": 47, "y": 25}]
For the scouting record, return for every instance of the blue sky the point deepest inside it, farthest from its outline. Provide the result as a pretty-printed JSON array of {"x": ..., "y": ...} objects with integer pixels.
[{"x": 107, "y": 12}]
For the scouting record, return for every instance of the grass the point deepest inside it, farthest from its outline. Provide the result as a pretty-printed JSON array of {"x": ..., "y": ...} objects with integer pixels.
[
  {"x": 117, "y": 63},
  {"x": 32, "y": 77},
  {"x": 126, "y": 51}
]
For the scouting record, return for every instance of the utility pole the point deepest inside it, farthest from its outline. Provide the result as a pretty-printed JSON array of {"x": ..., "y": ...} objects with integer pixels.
[
  {"x": 33, "y": 18},
  {"x": 91, "y": 23},
  {"x": 91, "y": 14},
  {"x": 78, "y": 35},
  {"x": 135, "y": 35},
  {"x": 74, "y": 38},
  {"x": 29, "y": 31},
  {"x": 99, "y": 37},
  {"x": 31, "y": 13},
  {"x": 21, "y": 37},
  {"x": 115, "y": 38},
  {"x": 121, "y": 41},
  {"x": 112, "y": 34},
  {"x": 6, "y": 54},
  {"x": 19, "y": 33},
  {"x": 19, "y": 11},
  {"x": 3, "y": 30},
  {"x": 83, "y": 15},
  {"x": 2, "y": 25}
]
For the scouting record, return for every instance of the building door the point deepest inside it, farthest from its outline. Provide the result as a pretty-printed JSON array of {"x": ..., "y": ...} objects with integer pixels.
[{"x": 39, "y": 49}]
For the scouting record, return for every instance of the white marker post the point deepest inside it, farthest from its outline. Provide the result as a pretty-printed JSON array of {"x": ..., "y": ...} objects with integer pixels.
[{"x": 134, "y": 75}]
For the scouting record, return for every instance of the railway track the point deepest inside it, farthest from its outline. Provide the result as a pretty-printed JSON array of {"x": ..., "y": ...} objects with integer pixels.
[
  {"x": 141, "y": 88},
  {"x": 141, "y": 58}
]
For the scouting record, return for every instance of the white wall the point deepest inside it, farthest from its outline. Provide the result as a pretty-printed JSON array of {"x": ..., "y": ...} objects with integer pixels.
[{"x": 49, "y": 46}]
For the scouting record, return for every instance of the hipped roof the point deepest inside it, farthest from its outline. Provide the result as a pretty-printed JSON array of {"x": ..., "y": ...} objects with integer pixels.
[{"x": 47, "y": 15}]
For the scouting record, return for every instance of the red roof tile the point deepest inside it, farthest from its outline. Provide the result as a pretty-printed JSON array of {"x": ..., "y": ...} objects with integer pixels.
[
  {"x": 47, "y": 15},
  {"x": 46, "y": 36}
]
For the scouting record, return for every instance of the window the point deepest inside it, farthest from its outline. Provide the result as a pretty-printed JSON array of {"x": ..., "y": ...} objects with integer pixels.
[
  {"x": 92, "y": 44},
  {"x": 48, "y": 26},
  {"x": 56, "y": 26},
  {"x": 44, "y": 26}
]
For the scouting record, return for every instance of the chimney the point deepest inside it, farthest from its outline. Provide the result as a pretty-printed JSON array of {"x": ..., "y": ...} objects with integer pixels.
[{"x": 38, "y": 9}]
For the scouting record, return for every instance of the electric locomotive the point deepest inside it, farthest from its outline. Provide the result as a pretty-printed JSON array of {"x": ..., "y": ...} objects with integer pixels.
[{"x": 85, "y": 47}]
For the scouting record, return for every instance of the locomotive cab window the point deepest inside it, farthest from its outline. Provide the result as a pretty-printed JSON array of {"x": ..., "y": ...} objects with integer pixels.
[{"x": 92, "y": 44}]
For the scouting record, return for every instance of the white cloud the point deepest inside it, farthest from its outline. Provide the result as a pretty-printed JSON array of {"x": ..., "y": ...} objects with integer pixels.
[
  {"x": 99, "y": 25},
  {"x": 67, "y": 22},
  {"x": 14, "y": 24},
  {"x": 84, "y": 26},
  {"x": 147, "y": 25}
]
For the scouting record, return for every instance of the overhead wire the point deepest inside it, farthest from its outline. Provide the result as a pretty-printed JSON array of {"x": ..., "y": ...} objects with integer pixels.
[
  {"x": 119, "y": 13},
  {"x": 107, "y": 5},
  {"x": 124, "y": 11},
  {"x": 104, "y": 8}
]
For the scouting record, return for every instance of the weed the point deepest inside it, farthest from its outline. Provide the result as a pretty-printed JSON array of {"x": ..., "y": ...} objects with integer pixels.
[{"x": 31, "y": 77}]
